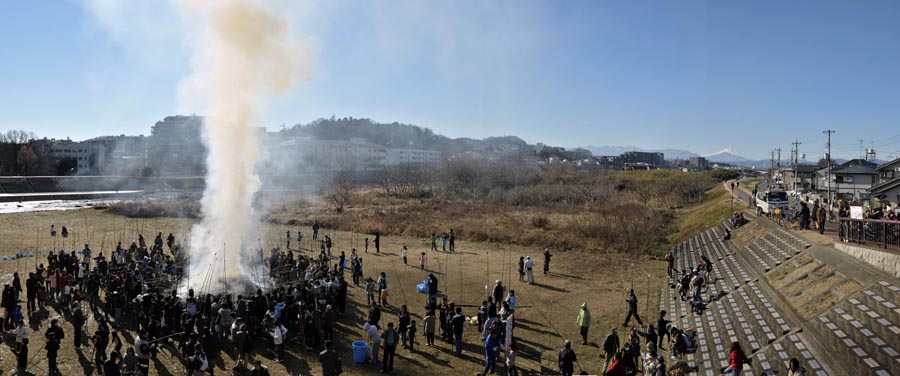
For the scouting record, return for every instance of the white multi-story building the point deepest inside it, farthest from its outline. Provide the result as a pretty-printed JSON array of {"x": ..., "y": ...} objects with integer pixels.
[
  {"x": 329, "y": 155},
  {"x": 412, "y": 156},
  {"x": 88, "y": 156}
]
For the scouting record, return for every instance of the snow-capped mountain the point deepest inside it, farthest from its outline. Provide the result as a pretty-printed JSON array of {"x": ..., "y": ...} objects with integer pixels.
[{"x": 725, "y": 155}]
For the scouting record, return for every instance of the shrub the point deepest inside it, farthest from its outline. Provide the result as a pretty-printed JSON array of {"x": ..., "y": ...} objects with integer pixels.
[{"x": 540, "y": 222}]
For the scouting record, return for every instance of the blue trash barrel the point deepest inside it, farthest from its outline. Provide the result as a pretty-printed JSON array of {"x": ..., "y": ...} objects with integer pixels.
[{"x": 360, "y": 351}]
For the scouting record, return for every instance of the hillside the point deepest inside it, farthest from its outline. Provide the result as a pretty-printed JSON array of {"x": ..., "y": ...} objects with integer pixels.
[{"x": 399, "y": 135}]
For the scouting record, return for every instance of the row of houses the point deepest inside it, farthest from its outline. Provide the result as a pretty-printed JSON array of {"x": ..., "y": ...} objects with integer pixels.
[{"x": 856, "y": 179}]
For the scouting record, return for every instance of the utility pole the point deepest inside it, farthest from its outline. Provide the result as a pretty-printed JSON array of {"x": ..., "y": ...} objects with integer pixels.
[
  {"x": 778, "y": 164},
  {"x": 794, "y": 159},
  {"x": 828, "y": 164},
  {"x": 771, "y": 167}
]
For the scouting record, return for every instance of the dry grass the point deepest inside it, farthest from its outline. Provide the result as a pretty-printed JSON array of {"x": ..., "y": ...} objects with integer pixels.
[
  {"x": 826, "y": 295},
  {"x": 546, "y": 315},
  {"x": 714, "y": 209}
]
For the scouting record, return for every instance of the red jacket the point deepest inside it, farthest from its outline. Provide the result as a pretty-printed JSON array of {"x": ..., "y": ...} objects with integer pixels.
[
  {"x": 737, "y": 359},
  {"x": 616, "y": 368}
]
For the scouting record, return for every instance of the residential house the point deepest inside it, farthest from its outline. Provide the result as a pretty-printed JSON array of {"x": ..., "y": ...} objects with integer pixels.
[
  {"x": 887, "y": 183},
  {"x": 805, "y": 176},
  {"x": 852, "y": 179}
]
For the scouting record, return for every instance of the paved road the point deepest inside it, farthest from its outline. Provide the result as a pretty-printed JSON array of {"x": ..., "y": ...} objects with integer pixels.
[{"x": 831, "y": 229}]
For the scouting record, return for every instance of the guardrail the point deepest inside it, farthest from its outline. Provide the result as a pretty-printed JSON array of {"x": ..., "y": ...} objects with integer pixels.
[{"x": 879, "y": 232}]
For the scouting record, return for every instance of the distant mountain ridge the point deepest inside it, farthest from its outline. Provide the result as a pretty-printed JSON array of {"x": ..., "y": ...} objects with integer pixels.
[{"x": 399, "y": 135}]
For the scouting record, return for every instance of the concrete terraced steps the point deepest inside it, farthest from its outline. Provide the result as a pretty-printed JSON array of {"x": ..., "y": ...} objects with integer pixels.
[
  {"x": 742, "y": 311},
  {"x": 775, "y": 248},
  {"x": 865, "y": 329}
]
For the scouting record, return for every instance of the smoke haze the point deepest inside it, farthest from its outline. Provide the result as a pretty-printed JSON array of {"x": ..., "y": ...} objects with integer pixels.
[{"x": 245, "y": 56}]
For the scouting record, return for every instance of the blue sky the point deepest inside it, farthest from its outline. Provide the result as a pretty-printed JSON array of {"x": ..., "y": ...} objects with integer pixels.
[{"x": 696, "y": 75}]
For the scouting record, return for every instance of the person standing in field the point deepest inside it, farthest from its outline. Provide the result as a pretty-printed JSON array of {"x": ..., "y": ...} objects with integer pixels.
[
  {"x": 382, "y": 288},
  {"x": 389, "y": 339},
  {"x": 331, "y": 362},
  {"x": 433, "y": 241},
  {"x": 422, "y": 261},
  {"x": 521, "y": 268},
  {"x": 377, "y": 242},
  {"x": 547, "y": 256},
  {"x": 529, "y": 272},
  {"x": 459, "y": 322},
  {"x": 584, "y": 322},
  {"x": 315, "y": 230},
  {"x": 428, "y": 324},
  {"x": 287, "y": 239},
  {"x": 498, "y": 291},
  {"x": 610, "y": 347},
  {"x": 444, "y": 242},
  {"x": 452, "y": 238},
  {"x": 567, "y": 360},
  {"x": 403, "y": 252}
]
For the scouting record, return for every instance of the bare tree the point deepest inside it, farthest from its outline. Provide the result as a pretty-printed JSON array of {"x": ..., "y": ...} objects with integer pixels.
[
  {"x": 339, "y": 190},
  {"x": 29, "y": 162},
  {"x": 17, "y": 136}
]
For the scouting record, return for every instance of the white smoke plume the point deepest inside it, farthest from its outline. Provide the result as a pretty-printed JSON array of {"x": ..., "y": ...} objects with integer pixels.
[{"x": 246, "y": 56}]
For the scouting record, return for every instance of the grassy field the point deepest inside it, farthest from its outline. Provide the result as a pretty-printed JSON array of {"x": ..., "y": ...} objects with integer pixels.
[
  {"x": 716, "y": 206},
  {"x": 546, "y": 316}
]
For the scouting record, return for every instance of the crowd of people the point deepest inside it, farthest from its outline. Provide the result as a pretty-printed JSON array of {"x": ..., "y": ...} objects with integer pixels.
[{"x": 132, "y": 297}]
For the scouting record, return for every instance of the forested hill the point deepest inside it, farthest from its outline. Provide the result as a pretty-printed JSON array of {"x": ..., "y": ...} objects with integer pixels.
[{"x": 398, "y": 135}]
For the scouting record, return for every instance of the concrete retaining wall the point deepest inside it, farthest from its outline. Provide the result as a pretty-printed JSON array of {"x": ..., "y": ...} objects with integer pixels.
[{"x": 884, "y": 261}]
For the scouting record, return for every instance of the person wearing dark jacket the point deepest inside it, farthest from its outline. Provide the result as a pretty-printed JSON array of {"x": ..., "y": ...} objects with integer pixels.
[
  {"x": 567, "y": 359},
  {"x": 804, "y": 216},
  {"x": 22, "y": 358},
  {"x": 632, "y": 309},
  {"x": 498, "y": 291},
  {"x": 459, "y": 322},
  {"x": 54, "y": 336},
  {"x": 111, "y": 366},
  {"x": 820, "y": 217},
  {"x": 610, "y": 347},
  {"x": 661, "y": 324},
  {"x": 389, "y": 339},
  {"x": 101, "y": 340},
  {"x": 651, "y": 335},
  {"x": 331, "y": 362},
  {"x": 374, "y": 315},
  {"x": 547, "y": 257}
]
